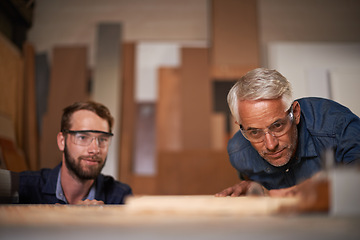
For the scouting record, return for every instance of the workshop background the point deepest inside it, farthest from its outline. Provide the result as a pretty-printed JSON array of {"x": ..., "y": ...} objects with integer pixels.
[{"x": 163, "y": 67}]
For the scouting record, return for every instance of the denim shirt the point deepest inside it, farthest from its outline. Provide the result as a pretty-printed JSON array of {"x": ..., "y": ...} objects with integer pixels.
[
  {"x": 39, "y": 187},
  {"x": 324, "y": 124},
  {"x": 60, "y": 193}
]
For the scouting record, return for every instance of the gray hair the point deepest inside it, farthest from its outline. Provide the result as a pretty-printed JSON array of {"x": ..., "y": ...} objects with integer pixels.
[{"x": 259, "y": 84}]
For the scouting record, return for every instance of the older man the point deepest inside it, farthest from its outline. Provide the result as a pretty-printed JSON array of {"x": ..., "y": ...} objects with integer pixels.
[{"x": 281, "y": 141}]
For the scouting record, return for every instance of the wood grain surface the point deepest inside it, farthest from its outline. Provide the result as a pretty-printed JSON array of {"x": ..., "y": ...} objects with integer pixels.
[{"x": 142, "y": 209}]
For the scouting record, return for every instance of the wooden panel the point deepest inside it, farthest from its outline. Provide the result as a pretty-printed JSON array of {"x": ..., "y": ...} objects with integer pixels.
[
  {"x": 68, "y": 83},
  {"x": 11, "y": 84},
  {"x": 143, "y": 185},
  {"x": 128, "y": 107},
  {"x": 11, "y": 106},
  {"x": 227, "y": 72},
  {"x": 218, "y": 131},
  {"x": 195, "y": 99},
  {"x": 234, "y": 37},
  {"x": 168, "y": 110},
  {"x": 194, "y": 172},
  {"x": 11, "y": 157},
  {"x": 7, "y": 129},
  {"x": 30, "y": 142}
]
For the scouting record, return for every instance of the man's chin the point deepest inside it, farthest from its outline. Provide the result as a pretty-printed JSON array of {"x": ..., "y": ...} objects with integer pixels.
[
  {"x": 89, "y": 175},
  {"x": 88, "y": 172},
  {"x": 278, "y": 162}
]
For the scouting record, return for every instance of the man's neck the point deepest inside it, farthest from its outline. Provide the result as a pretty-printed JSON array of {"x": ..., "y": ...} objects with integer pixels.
[{"x": 74, "y": 188}]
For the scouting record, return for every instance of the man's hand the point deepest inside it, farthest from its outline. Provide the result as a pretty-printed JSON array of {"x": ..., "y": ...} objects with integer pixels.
[
  {"x": 90, "y": 202},
  {"x": 300, "y": 190},
  {"x": 313, "y": 194},
  {"x": 285, "y": 192},
  {"x": 243, "y": 188}
]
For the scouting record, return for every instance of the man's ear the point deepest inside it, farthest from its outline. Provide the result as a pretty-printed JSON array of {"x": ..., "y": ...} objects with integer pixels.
[
  {"x": 297, "y": 112},
  {"x": 61, "y": 141}
]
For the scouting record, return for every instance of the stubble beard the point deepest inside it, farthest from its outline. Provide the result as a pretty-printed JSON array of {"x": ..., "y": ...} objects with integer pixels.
[
  {"x": 290, "y": 150},
  {"x": 82, "y": 173}
]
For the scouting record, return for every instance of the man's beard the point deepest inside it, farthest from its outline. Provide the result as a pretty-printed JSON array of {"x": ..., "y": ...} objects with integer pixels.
[{"x": 75, "y": 167}]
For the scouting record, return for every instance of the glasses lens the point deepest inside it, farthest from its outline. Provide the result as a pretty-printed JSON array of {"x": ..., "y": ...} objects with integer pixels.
[
  {"x": 276, "y": 129},
  {"x": 82, "y": 139},
  {"x": 104, "y": 141},
  {"x": 255, "y": 135},
  {"x": 85, "y": 139},
  {"x": 280, "y": 127}
]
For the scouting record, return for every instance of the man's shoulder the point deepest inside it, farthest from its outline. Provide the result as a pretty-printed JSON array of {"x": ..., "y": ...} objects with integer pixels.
[
  {"x": 321, "y": 105},
  {"x": 38, "y": 186},
  {"x": 33, "y": 175},
  {"x": 324, "y": 112}
]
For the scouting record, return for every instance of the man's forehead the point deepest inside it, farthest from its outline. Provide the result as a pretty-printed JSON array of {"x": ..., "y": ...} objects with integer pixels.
[
  {"x": 260, "y": 112},
  {"x": 88, "y": 120}
]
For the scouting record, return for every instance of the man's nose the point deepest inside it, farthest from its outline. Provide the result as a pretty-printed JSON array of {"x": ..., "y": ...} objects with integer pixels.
[{"x": 271, "y": 142}]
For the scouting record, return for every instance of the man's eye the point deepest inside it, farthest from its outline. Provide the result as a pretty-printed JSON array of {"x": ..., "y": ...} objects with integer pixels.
[
  {"x": 103, "y": 139},
  {"x": 254, "y": 133},
  {"x": 82, "y": 137},
  {"x": 277, "y": 126}
]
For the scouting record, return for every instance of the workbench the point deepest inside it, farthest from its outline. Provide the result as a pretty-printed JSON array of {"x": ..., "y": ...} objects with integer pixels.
[{"x": 176, "y": 217}]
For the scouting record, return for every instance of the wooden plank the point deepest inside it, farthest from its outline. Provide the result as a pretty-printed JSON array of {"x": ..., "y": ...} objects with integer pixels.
[
  {"x": 195, "y": 99},
  {"x": 128, "y": 107},
  {"x": 11, "y": 106},
  {"x": 218, "y": 131},
  {"x": 11, "y": 84},
  {"x": 230, "y": 72},
  {"x": 208, "y": 205},
  {"x": 168, "y": 110},
  {"x": 153, "y": 211},
  {"x": 234, "y": 34},
  {"x": 11, "y": 157},
  {"x": 14, "y": 158},
  {"x": 30, "y": 142}
]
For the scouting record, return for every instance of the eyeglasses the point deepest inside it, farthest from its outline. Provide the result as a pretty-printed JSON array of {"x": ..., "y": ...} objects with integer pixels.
[
  {"x": 276, "y": 129},
  {"x": 85, "y": 137}
]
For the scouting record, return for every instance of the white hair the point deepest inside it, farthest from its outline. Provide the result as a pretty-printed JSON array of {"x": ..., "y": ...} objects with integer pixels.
[{"x": 259, "y": 84}]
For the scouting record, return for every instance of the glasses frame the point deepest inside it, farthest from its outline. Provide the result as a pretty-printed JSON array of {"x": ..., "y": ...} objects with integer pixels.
[
  {"x": 73, "y": 132},
  {"x": 290, "y": 115}
]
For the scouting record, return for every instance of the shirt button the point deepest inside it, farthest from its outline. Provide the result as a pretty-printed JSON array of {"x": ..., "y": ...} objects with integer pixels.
[
  {"x": 267, "y": 169},
  {"x": 287, "y": 170}
]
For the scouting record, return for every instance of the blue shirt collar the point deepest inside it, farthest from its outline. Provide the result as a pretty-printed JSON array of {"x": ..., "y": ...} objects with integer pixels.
[
  {"x": 306, "y": 146},
  {"x": 61, "y": 196}
]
